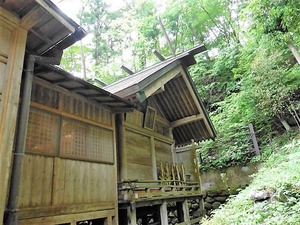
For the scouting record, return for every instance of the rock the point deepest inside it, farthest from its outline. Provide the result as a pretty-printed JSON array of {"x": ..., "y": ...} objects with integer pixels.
[
  {"x": 280, "y": 196},
  {"x": 223, "y": 193},
  {"x": 195, "y": 206},
  {"x": 174, "y": 221},
  {"x": 198, "y": 213},
  {"x": 260, "y": 195},
  {"x": 216, "y": 205},
  {"x": 209, "y": 200},
  {"x": 208, "y": 206},
  {"x": 171, "y": 215},
  {"x": 212, "y": 194},
  {"x": 221, "y": 199}
]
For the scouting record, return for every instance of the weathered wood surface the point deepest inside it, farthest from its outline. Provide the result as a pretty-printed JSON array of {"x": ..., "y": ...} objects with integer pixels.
[
  {"x": 49, "y": 181},
  {"x": 60, "y": 219},
  {"x": 13, "y": 40},
  {"x": 67, "y": 180}
]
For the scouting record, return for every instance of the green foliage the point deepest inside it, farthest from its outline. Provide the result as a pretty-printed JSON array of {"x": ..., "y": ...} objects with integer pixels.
[{"x": 279, "y": 174}]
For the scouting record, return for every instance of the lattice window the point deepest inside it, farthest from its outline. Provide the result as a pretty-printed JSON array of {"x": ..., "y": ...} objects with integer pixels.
[
  {"x": 101, "y": 144},
  {"x": 73, "y": 139},
  {"x": 84, "y": 141},
  {"x": 42, "y": 132}
]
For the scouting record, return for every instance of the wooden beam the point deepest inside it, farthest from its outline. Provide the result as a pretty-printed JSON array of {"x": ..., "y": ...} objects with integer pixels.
[
  {"x": 32, "y": 17},
  {"x": 43, "y": 37},
  {"x": 186, "y": 120},
  {"x": 195, "y": 98},
  {"x": 159, "y": 83},
  {"x": 158, "y": 55},
  {"x": 56, "y": 15},
  {"x": 127, "y": 70},
  {"x": 160, "y": 90}
]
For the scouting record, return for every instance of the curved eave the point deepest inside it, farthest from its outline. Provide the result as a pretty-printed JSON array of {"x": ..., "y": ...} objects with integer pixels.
[{"x": 63, "y": 79}]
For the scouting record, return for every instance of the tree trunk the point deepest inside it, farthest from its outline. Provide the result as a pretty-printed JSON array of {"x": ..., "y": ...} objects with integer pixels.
[{"x": 294, "y": 50}]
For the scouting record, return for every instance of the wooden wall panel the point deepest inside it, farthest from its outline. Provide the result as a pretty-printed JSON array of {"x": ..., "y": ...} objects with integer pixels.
[
  {"x": 138, "y": 156},
  {"x": 13, "y": 40},
  {"x": 136, "y": 118},
  {"x": 187, "y": 156},
  {"x": 163, "y": 152},
  {"x": 139, "y": 171},
  {"x": 36, "y": 182},
  {"x": 78, "y": 182}
]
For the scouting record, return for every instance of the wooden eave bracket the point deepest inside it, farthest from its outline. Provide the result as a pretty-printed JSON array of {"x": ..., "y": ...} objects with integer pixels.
[{"x": 186, "y": 120}]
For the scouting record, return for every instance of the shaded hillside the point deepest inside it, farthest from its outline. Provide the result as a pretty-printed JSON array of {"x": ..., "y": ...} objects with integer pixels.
[{"x": 277, "y": 183}]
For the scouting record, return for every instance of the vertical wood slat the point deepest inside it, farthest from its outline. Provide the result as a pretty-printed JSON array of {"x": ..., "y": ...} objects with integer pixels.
[
  {"x": 13, "y": 40},
  {"x": 36, "y": 182},
  {"x": 26, "y": 183}
]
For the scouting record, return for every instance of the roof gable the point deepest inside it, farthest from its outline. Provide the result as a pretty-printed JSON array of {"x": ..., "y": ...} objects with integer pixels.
[{"x": 169, "y": 87}]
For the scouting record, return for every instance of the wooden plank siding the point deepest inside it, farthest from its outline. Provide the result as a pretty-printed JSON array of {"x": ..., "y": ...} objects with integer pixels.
[
  {"x": 13, "y": 40},
  {"x": 67, "y": 171},
  {"x": 142, "y": 144}
]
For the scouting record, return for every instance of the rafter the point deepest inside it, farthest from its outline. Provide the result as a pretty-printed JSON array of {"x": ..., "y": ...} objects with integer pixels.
[{"x": 186, "y": 120}]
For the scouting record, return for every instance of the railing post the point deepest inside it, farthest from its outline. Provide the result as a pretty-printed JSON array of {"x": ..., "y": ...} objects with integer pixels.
[{"x": 254, "y": 140}]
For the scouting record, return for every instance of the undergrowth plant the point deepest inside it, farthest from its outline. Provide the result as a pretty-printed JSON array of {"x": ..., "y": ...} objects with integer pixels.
[{"x": 280, "y": 174}]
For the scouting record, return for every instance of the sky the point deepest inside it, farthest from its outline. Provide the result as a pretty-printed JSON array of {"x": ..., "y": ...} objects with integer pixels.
[{"x": 72, "y": 7}]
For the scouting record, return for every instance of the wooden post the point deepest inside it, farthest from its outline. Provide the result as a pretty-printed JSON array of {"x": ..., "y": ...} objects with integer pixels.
[
  {"x": 164, "y": 214},
  {"x": 153, "y": 158},
  {"x": 185, "y": 209},
  {"x": 122, "y": 148},
  {"x": 13, "y": 41},
  {"x": 196, "y": 163},
  {"x": 131, "y": 215},
  {"x": 108, "y": 221},
  {"x": 254, "y": 140},
  {"x": 174, "y": 157}
]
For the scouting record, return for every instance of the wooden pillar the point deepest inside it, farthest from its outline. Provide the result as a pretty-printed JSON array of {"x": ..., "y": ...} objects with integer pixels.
[
  {"x": 186, "y": 215},
  {"x": 13, "y": 41},
  {"x": 196, "y": 163},
  {"x": 164, "y": 214},
  {"x": 153, "y": 158},
  {"x": 115, "y": 219},
  {"x": 131, "y": 215},
  {"x": 122, "y": 148},
  {"x": 174, "y": 158}
]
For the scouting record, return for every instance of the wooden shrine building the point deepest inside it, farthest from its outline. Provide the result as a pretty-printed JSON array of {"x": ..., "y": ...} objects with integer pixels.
[
  {"x": 57, "y": 132},
  {"x": 157, "y": 142}
]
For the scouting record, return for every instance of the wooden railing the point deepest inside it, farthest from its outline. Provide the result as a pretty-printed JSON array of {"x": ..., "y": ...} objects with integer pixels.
[{"x": 172, "y": 183}]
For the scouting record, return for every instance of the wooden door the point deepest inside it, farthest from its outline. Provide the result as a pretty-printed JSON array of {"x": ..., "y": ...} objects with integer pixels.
[{"x": 12, "y": 48}]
